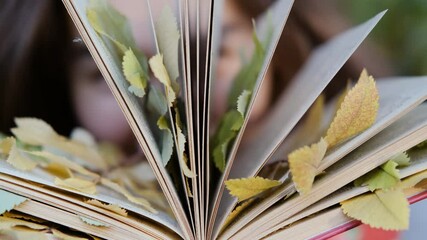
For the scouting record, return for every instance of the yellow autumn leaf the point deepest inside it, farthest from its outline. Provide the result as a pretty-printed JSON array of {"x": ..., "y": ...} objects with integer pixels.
[
  {"x": 181, "y": 140},
  {"x": 6, "y": 145},
  {"x": 357, "y": 112},
  {"x": 58, "y": 170},
  {"x": 110, "y": 207},
  {"x": 53, "y": 158},
  {"x": 342, "y": 96},
  {"x": 19, "y": 215},
  {"x": 37, "y": 132},
  {"x": 246, "y": 188},
  {"x": 303, "y": 164},
  {"x": 388, "y": 210},
  {"x": 77, "y": 184},
  {"x": 159, "y": 70},
  {"x": 413, "y": 180},
  {"x": 122, "y": 190},
  {"x": 18, "y": 159},
  {"x": 7, "y": 223},
  {"x": 236, "y": 212},
  {"x": 134, "y": 74},
  {"x": 64, "y": 236}
]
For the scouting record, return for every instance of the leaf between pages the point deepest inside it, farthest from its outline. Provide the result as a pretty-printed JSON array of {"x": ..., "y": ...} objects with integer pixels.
[
  {"x": 246, "y": 188},
  {"x": 92, "y": 222},
  {"x": 134, "y": 74},
  {"x": 7, "y": 223},
  {"x": 157, "y": 66},
  {"x": 122, "y": 190},
  {"x": 77, "y": 184},
  {"x": 303, "y": 164},
  {"x": 388, "y": 210},
  {"x": 357, "y": 112},
  {"x": 110, "y": 207}
]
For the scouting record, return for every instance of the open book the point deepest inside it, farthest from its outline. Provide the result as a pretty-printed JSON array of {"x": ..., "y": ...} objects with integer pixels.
[{"x": 307, "y": 169}]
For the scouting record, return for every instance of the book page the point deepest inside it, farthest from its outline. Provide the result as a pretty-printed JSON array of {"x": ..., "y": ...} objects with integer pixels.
[
  {"x": 306, "y": 86},
  {"x": 400, "y": 136},
  {"x": 130, "y": 106},
  {"x": 330, "y": 222},
  {"x": 412, "y": 91},
  {"x": 103, "y": 194},
  {"x": 418, "y": 163},
  {"x": 269, "y": 27}
]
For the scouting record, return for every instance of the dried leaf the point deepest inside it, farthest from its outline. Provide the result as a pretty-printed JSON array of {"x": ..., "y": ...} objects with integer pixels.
[
  {"x": 93, "y": 222},
  {"x": 77, "y": 184},
  {"x": 236, "y": 212},
  {"x": 181, "y": 147},
  {"x": 160, "y": 72},
  {"x": 58, "y": 170},
  {"x": 413, "y": 180},
  {"x": 64, "y": 236},
  {"x": 9, "y": 201},
  {"x": 303, "y": 164},
  {"x": 110, "y": 207},
  {"x": 36, "y": 132},
  {"x": 6, "y": 145},
  {"x": 7, "y": 223},
  {"x": 168, "y": 38},
  {"x": 246, "y": 188},
  {"x": 18, "y": 159},
  {"x": 357, "y": 112},
  {"x": 388, "y": 210},
  {"x": 52, "y": 158},
  {"x": 120, "y": 189},
  {"x": 134, "y": 74}
]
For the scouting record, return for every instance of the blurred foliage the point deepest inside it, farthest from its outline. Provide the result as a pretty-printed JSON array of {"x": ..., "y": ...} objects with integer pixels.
[{"x": 402, "y": 32}]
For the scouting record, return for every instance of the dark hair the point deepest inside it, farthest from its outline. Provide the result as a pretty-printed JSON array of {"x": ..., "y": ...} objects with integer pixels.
[{"x": 34, "y": 59}]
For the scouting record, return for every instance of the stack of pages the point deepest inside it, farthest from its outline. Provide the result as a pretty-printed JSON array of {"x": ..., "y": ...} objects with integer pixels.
[{"x": 310, "y": 168}]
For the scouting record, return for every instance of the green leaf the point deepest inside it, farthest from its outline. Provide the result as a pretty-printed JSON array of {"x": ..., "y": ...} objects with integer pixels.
[
  {"x": 243, "y": 101},
  {"x": 227, "y": 131},
  {"x": 111, "y": 24},
  {"x": 134, "y": 74},
  {"x": 402, "y": 159},
  {"x": 168, "y": 38},
  {"x": 93, "y": 222},
  {"x": 247, "y": 76},
  {"x": 388, "y": 210},
  {"x": 157, "y": 101},
  {"x": 167, "y": 140},
  {"x": 9, "y": 201},
  {"x": 384, "y": 177}
]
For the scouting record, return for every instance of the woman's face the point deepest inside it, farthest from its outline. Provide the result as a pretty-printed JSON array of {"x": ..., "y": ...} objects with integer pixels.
[{"x": 96, "y": 107}]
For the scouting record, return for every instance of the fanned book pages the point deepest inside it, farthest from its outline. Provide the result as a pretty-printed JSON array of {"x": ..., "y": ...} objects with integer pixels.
[{"x": 222, "y": 160}]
